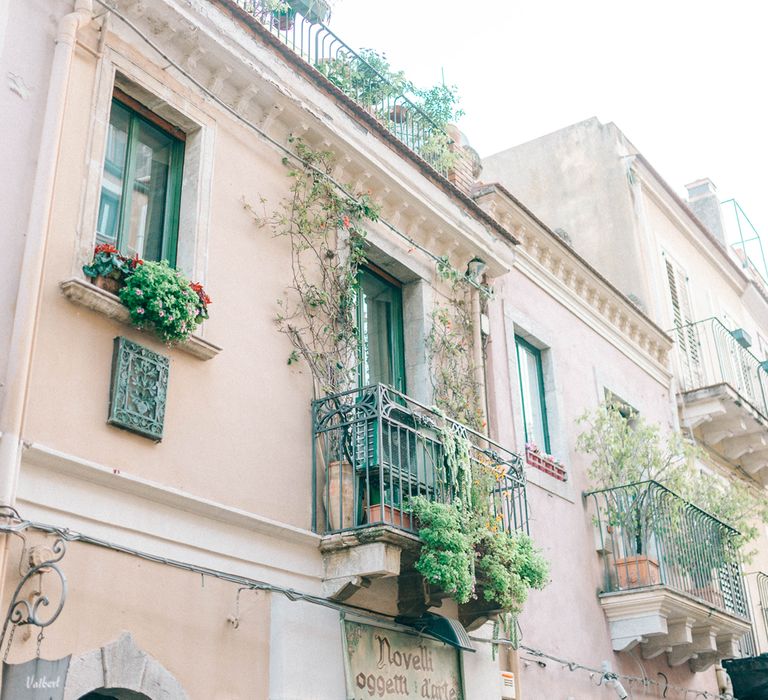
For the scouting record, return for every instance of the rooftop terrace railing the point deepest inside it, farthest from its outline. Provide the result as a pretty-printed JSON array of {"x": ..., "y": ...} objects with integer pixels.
[
  {"x": 708, "y": 354},
  {"x": 651, "y": 536},
  {"x": 375, "y": 449},
  {"x": 348, "y": 70}
]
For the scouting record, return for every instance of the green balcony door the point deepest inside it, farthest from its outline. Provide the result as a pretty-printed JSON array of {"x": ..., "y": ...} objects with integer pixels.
[{"x": 380, "y": 320}]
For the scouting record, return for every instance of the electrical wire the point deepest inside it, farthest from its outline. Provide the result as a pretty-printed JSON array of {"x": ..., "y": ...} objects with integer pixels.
[
  {"x": 602, "y": 673},
  {"x": 287, "y": 151},
  {"x": 298, "y": 596}
]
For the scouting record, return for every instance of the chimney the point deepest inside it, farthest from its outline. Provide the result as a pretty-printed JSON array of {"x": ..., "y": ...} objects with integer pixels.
[{"x": 704, "y": 202}]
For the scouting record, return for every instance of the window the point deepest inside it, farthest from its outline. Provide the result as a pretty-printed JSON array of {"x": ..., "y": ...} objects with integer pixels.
[
  {"x": 141, "y": 182},
  {"x": 532, "y": 394},
  {"x": 380, "y": 320}
]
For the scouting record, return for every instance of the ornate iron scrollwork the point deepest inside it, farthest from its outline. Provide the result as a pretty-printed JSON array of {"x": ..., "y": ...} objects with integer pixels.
[{"x": 31, "y": 611}]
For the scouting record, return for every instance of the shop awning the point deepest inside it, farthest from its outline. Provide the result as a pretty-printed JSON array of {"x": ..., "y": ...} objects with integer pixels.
[
  {"x": 749, "y": 677},
  {"x": 442, "y": 628}
]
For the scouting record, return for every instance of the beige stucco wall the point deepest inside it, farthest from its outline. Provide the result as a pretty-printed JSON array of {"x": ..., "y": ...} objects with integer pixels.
[
  {"x": 575, "y": 179},
  {"x": 177, "y": 617},
  {"x": 223, "y": 415}
]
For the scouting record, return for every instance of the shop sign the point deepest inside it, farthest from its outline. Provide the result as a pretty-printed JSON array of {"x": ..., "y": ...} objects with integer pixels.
[
  {"x": 38, "y": 679},
  {"x": 386, "y": 664}
]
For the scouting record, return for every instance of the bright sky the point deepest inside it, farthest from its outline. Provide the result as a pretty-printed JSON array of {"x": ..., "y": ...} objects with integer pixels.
[{"x": 685, "y": 80}]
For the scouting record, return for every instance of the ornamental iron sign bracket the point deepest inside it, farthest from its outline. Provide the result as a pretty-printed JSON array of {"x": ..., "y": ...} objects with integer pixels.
[{"x": 33, "y": 609}]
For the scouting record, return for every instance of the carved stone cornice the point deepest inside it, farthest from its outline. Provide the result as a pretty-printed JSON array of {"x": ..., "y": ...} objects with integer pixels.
[{"x": 549, "y": 260}]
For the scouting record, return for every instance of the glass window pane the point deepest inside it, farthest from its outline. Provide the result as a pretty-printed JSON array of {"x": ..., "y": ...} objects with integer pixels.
[
  {"x": 380, "y": 331},
  {"x": 531, "y": 391},
  {"x": 115, "y": 162},
  {"x": 149, "y": 195}
]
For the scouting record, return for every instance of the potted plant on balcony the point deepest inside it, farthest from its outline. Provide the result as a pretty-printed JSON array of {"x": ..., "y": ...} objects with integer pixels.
[
  {"x": 384, "y": 507},
  {"x": 627, "y": 453}
]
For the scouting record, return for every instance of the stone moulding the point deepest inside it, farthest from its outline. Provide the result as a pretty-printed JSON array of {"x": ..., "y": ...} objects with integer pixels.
[
  {"x": 660, "y": 620},
  {"x": 83, "y": 293}
]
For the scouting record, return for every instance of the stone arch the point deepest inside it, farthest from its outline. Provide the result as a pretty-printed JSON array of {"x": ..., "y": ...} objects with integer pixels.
[{"x": 122, "y": 670}]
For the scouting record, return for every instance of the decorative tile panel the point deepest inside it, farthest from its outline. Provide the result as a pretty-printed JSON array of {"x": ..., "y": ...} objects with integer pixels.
[{"x": 138, "y": 390}]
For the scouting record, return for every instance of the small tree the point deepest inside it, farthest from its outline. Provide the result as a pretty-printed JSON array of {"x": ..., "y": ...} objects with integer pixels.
[{"x": 628, "y": 450}]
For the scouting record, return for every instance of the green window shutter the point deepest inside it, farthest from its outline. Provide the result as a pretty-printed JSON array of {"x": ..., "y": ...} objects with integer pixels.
[
  {"x": 533, "y": 403},
  {"x": 141, "y": 186}
]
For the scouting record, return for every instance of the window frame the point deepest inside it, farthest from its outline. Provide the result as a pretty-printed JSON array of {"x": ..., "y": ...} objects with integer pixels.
[
  {"x": 397, "y": 332},
  {"x": 536, "y": 353},
  {"x": 138, "y": 113}
]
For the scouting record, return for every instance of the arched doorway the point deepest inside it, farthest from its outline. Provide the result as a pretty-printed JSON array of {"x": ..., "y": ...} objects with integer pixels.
[{"x": 120, "y": 670}]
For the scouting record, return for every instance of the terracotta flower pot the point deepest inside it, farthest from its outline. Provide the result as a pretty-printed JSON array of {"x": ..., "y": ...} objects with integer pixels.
[
  {"x": 637, "y": 571},
  {"x": 340, "y": 506},
  {"x": 387, "y": 515},
  {"x": 284, "y": 20},
  {"x": 108, "y": 284},
  {"x": 398, "y": 114}
]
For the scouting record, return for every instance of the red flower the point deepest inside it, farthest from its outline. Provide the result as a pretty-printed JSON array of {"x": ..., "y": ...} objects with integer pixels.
[
  {"x": 197, "y": 288},
  {"x": 105, "y": 248},
  {"x": 135, "y": 261},
  {"x": 345, "y": 221}
]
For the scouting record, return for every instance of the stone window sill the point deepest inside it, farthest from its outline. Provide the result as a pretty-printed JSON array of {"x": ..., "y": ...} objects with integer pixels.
[{"x": 83, "y": 293}]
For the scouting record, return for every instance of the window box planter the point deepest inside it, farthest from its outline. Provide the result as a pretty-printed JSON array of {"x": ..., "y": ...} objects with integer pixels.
[
  {"x": 388, "y": 515},
  {"x": 88, "y": 295},
  {"x": 545, "y": 463}
]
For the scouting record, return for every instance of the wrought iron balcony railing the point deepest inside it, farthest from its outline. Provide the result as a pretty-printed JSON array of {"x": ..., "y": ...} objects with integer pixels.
[
  {"x": 385, "y": 101},
  {"x": 708, "y": 354},
  {"x": 375, "y": 449},
  {"x": 650, "y": 535}
]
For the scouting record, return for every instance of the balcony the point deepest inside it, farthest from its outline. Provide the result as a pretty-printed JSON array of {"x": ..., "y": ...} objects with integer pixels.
[
  {"x": 384, "y": 101},
  {"x": 374, "y": 449},
  {"x": 672, "y": 577},
  {"x": 723, "y": 391}
]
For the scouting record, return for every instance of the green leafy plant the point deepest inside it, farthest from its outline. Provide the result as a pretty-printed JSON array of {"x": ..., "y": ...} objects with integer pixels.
[
  {"x": 446, "y": 558},
  {"x": 507, "y": 566},
  {"x": 108, "y": 262},
  {"x": 370, "y": 81},
  {"x": 465, "y": 550},
  {"x": 627, "y": 449},
  {"x": 438, "y": 151},
  {"x": 162, "y": 298},
  {"x": 440, "y": 103}
]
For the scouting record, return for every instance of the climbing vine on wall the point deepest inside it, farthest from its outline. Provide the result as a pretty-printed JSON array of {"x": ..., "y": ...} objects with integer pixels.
[
  {"x": 326, "y": 232},
  {"x": 450, "y": 349}
]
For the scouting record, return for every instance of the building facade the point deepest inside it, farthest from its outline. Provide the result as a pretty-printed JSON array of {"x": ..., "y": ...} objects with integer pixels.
[
  {"x": 230, "y": 526},
  {"x": 674, "y": 259}
]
